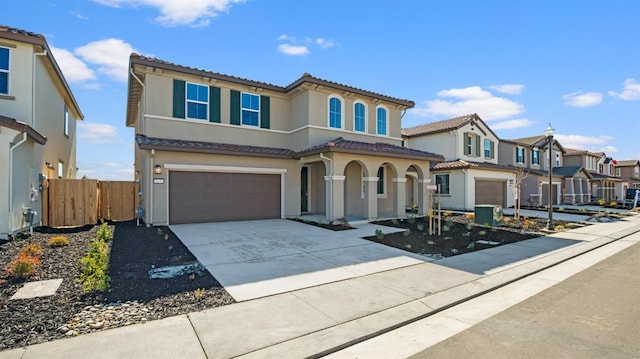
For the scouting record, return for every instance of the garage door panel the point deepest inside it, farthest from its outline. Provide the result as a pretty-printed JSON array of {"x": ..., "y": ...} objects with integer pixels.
[
  {"x": 213, "y": 197},
  {"x": 490, "y": 192}
]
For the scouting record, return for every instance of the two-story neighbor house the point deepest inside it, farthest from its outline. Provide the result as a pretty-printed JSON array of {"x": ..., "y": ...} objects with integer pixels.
[
  {"x": 213, "y": 147},
  {"x": 629, "y": 171},
  {"x": 570, "y": 183},
  {"x": 37, "y": 126},
  {"x": 604, "y": 184},
  {"x": 471, "y": 174}
]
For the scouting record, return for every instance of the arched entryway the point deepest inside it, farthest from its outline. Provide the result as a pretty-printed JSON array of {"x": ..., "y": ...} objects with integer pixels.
[{"x": 355, "y": 204}]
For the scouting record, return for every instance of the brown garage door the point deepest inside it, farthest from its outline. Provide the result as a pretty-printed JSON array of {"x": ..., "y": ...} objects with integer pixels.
[
  {"x": 490, "y": 192},
  {"x": 215, "y": 197}
]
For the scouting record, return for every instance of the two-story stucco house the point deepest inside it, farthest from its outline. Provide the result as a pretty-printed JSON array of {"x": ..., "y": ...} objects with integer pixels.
[
  {"x": 214, "y": 147},
  {"x": 38, "y": 114},
  {"x": 629, "y": 171},
  {"x": 570, "y": 183},
  {"x": 604, "y": 183},
  {"x": 471, "y": 173}
]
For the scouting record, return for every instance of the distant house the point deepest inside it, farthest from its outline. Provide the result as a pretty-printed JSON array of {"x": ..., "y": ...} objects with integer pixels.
[
  {"x": 604, "y": 183},
  {"x": 214, "y": 147},
  {"x": 570, "y": 183},
  {"x": 38, "y": 114},
  {"x": 471, "y": 173},
  {"x": 629, "y": 171}
]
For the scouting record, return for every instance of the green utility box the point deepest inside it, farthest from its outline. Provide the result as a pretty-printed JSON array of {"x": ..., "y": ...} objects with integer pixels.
[{"x": 488, "y": 214}]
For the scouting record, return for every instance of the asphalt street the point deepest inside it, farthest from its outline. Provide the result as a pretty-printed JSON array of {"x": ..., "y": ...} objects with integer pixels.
[{"x": 594, "y": 314}]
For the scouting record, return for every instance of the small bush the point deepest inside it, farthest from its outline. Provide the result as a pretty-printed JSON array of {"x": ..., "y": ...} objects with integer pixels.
[
  {"x": 469, "y": 216},
  {"x": 31, "y": 250},
  {"x": 601, "y": 202},
  {"x": 95, "y": 266},
  {"x": 23, "y": 266},
  {"x": 104, "y": 234},
  {"x": 58, "y": 241},
  {"x": 379, "y": 234},
  {"x": 613, "y": 204}
]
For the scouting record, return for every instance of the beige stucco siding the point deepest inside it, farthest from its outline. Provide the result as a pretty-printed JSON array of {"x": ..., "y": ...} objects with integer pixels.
[
  {"x": 444, "y": 143},
  {"x": 20, "y": 90}
]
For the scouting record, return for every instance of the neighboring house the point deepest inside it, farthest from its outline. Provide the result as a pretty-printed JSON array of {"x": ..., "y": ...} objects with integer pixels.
[
  {"x": 471, "y": 173},
  {"x": 570, "y": 183},
  {"x": 604, "y": 183},
  {"x": 629, "y": 171},
  {"x": 213, "y": 147},
  {"x": 37, "y": 126}
]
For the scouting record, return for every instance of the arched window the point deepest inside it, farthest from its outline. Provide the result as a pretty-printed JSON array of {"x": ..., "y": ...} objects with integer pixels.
[
  {"x": 335, "y": 112},
  {"x": 381, "y": 121},
  {"x": 359, "y": 117}
]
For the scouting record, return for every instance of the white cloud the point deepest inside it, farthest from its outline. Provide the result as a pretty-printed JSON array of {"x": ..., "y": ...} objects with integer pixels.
[
  {"x": 582, "y": 99},
  {"x": 325, "y": 44},
  {"x": 113, "y": 171},
  {"x": 512, "y": 124},
  {"x": 630, "y": 92},
  {"x": 293, "y": 49},
  {"x": 98, "y": 133},
  {"x": 79, "y": 16},
  {"x": 285, "y": 37},
  {"x": 73, "y": 68},
  {"x": 588, "y": 143},
  {"x": 174, "y": 13},
  {"x": 509, "y": 89},
  {"x": 110, "y": 55},
  {"x": 470, "y": 100}
]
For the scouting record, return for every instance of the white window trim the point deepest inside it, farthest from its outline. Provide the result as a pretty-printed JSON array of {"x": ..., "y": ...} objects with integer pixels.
[
  {"x": 558, "y": 162},
  {"x": 524, "y": 157},
  {"x": 435, "y": 181},
  {"x": 366, "y": 111},
  {"x": 186, "y": 102},
  {"x": 8, "y": 72},
  {"x": 535, "y": 164},
  {"x": 484, "y": 148},
  {"x": 251, "y": 110},
  {"x": 341, "y": 111},
  {"x": 387, "y": 120}
]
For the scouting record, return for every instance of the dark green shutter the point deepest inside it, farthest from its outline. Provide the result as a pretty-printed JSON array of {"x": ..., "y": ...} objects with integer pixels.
[
  {"x": 492, "y": 149},
  {"x": 476, "y": 138},
  {"x": 466, "y": 147},
  {"x": 214, "y": 104},
  {"x": 179, "y": 93},
  {"x": 265, "y": 110},
  {"x": 235, "y": 107}
]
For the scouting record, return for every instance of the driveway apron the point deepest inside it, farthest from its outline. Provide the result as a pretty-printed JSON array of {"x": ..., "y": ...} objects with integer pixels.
[{"x": 253, "y": 259}]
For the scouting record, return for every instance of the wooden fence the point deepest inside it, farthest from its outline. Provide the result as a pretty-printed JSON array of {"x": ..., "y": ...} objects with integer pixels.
[{"x": 77, "y": 202}]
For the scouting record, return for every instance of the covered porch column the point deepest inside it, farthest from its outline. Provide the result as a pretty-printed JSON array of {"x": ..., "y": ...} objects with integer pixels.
[
  {"x": 335, "y": 196},
  {"x": 371, "y": 198},
  {"x": 400, "y": 199},
  {"x": 580, "y": 192},
  {"x": 423, "y": 197}
]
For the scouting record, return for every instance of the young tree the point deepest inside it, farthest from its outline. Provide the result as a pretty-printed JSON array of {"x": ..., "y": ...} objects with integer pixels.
[{"x": 521, "y": 174}]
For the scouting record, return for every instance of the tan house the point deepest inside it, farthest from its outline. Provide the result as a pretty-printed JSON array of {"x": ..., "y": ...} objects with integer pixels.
[
  {"x": 629, "y": 171},
  {"x": 570, "y": 183},
  {"x": 37, "y": 126},
  {"x": 471, "y": 173},
  {"x": 213, "y": 147},
  {"x": 604, "y": 183}
]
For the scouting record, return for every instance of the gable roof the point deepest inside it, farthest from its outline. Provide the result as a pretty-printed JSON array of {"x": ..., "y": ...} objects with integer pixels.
[
  {"x": 28, "y": 37},
  {"x": 135, "y": 89},
  {"x": 444, "y": 126},
  {"x": 461, "y": 164},
  {"x": 627, "y": 163},
  {"x": 14, "y": 124},
  {"x": 366, "y": 148},
  {"x": 535, "y": 141},
  {"x": 575, "y": 152}
]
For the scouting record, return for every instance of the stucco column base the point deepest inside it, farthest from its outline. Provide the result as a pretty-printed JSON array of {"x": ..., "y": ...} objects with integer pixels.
[
  {"x": 335, "y": 197},
  {"x": 400, "y": 198},
  {"x": 371, "y": 198},
  {"x": 423, "y": 197}
]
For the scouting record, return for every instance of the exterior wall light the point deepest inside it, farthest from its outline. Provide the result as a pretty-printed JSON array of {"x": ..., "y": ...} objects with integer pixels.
[{"x": 157, "y": 169}]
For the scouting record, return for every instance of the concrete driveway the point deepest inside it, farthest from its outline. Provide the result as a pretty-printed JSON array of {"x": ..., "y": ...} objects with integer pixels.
[{"x": 253, "y": 259}]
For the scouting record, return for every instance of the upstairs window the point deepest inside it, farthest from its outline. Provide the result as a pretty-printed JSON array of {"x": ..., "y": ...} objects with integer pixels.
[
  {"x": 381, "y": 121},
  {"x": 4, "y": 70},
  {"x": 535, "y": 157},
  {"x": 250, "y": 109},
  {"x": 66, "y": 121},
  {"x": 359, "y": 117},
  {"x": 636, "y": 171},
  {"x": 472, "y": 145},
  {"x": 443, "y": 182},
  {"x": 601, "y": 168},
  {"x": 618, "y": 172},
  {"x": 197, "y": 101},
  {"x": 60, "y": 169},
  {"x": 381, "y": 184},
  {"x": 520, "y": 155},
  {"x": 335, "y": 112},
  {"x": 488, "y": 149},
  {"x": 557, "y": 159}
]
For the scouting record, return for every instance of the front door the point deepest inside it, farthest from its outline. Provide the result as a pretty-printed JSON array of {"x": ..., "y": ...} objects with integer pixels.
[{"x": 304, "y": 190}]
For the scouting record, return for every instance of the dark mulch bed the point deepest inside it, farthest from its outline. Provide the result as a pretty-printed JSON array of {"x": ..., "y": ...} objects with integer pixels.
[
  {"x": 134, "y": 251},
  {"x": 459, "y": 235}
]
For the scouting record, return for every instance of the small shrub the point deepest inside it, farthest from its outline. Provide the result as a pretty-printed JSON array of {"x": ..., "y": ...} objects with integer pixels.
[
  {"x": 94, "y": 267},
  {"x": 420, "y": 227},
  {"x": 431, "y": 243},
  {"x": 613, "y": 204},
  {"x": 559, "y": 228},
  {"x": 454, "y": 251},
  {"x": 448, "y": 213},
  {"x": 23, "y": 266},
  {"x": 104, "y": 234},
  {"x": 379, "y": 234},
  {"x": 58, "y": 241},
  {"x": 31, "y": 250},
  {"x": 471, "y": 245},
  {"x": 159, "y": 231},
  {"x": 199, "y": 293},
  {"x": 406, "y": 233},
  {"x": 601, "y": 202},
  {"x": 469, "y": 216},
  {"x": 482, "y": 233}
]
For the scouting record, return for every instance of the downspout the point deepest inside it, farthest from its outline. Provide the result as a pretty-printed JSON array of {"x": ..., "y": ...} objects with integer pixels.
[
  {"x": 11, "y": 148},
  {"x": 330, "y": 204},
  {"x": 150, "y": 186},
  {"x": 33, "y": 87},
  {"x": 466, "y": 190}
]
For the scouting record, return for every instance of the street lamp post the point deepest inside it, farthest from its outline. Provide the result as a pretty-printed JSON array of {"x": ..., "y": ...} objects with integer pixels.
[{"x": 549, "y": 135}]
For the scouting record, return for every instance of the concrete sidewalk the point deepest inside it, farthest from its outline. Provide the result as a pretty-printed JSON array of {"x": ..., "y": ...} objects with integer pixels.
[{"x": 322, "y": 319}]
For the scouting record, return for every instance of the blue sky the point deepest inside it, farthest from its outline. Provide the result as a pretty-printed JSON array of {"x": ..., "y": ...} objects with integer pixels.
[{"x": 519, "y": 65}]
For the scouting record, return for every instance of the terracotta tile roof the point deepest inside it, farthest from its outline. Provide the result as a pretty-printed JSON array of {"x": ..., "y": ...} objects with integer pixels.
[
  {"x": 439, "y": 126},
  {"x": 8, "y": 31},
  {"x": 529, "y": 141},
  {"x": 145, "y": 142},
  {"x": 461, "y": 164},
  {"x": 305, "y": 78},
  {"x": 599, "y": 176},
  {"x": 377, "y": 148},
  {"x": 14, "y": 124},
  {"x": 575, "y": 151}
]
